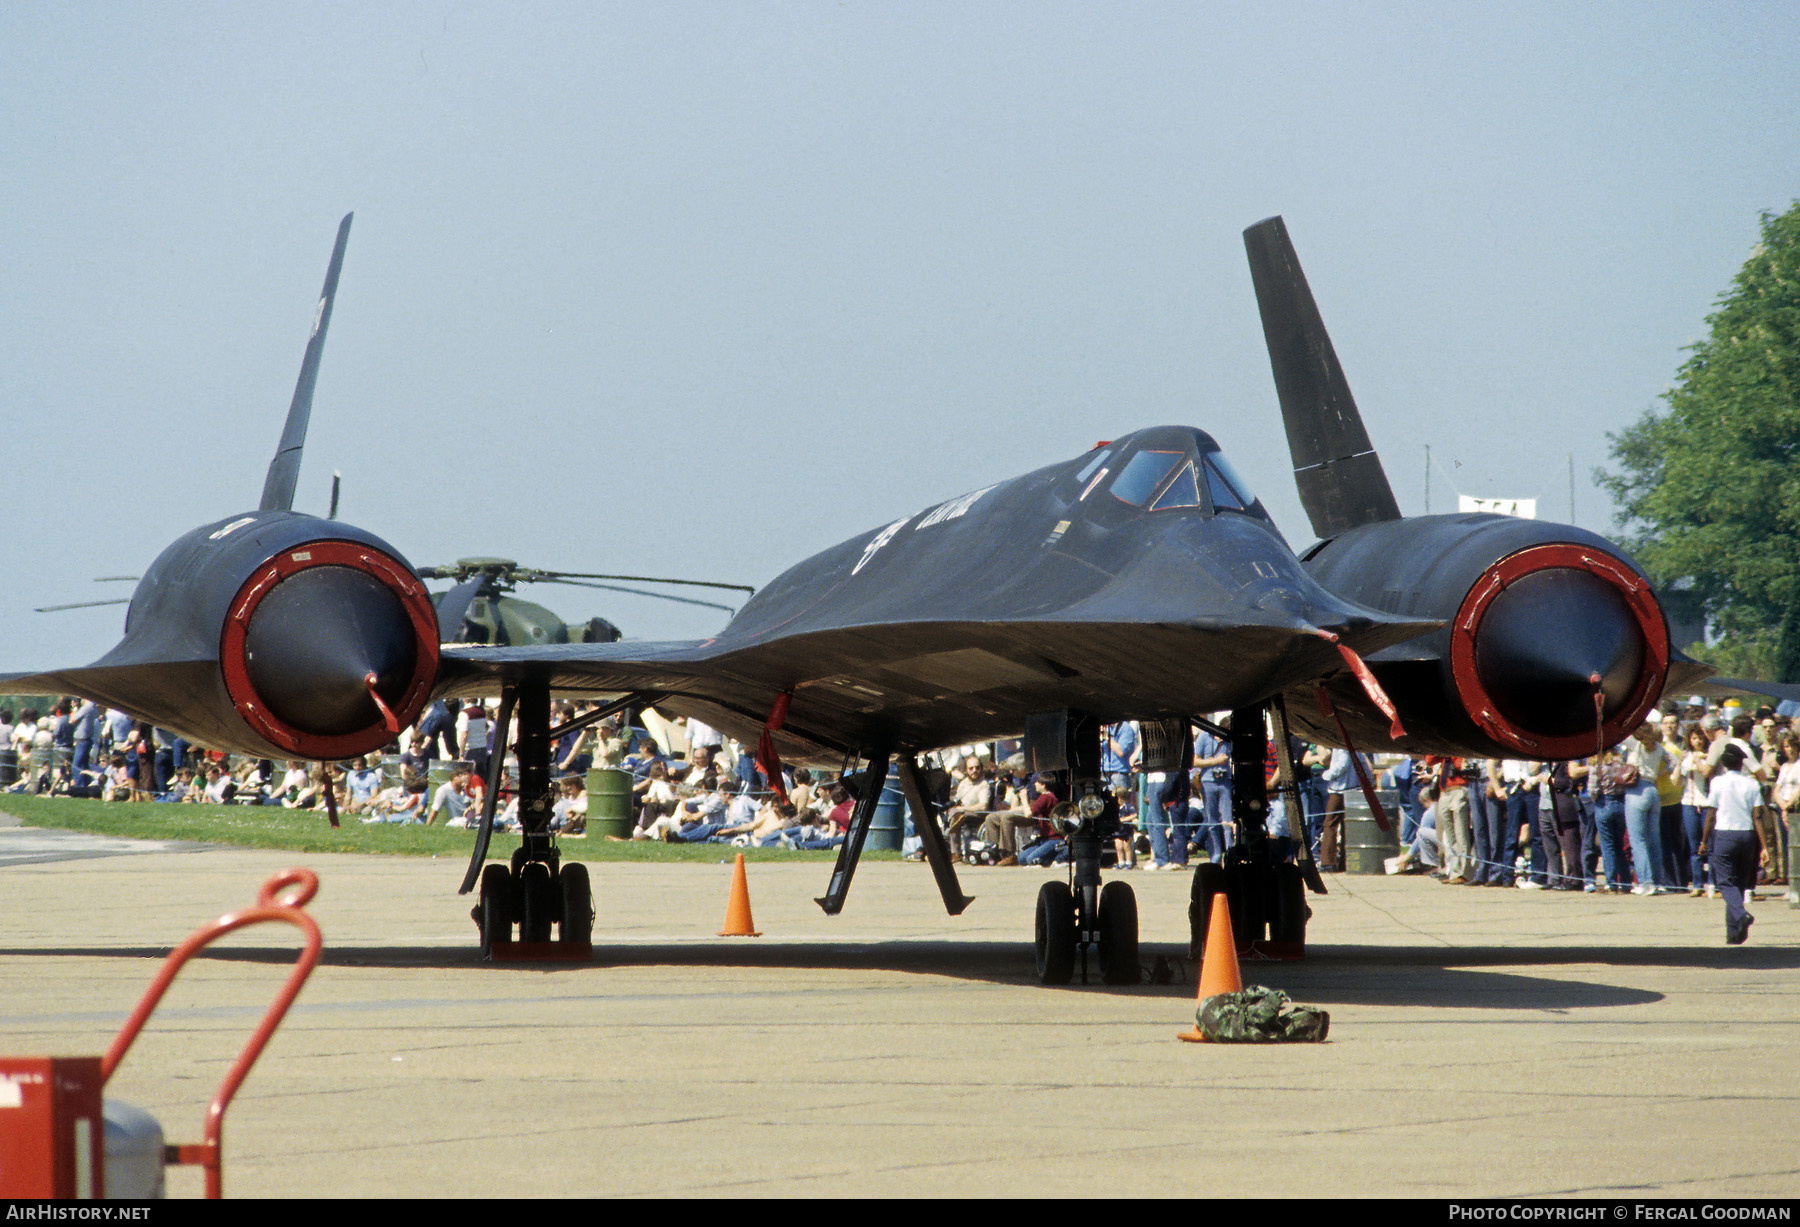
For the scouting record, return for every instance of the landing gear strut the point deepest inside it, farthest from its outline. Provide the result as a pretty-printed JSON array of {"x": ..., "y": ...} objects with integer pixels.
[
  {"x": 536, "y": 891},
  {"x": 1082, "y": 914},
  {"x": 1266, "y": 892}
]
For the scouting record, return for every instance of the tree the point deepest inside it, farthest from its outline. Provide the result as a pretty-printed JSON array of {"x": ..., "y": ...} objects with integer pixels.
[{"x": 1709, "y": 489}]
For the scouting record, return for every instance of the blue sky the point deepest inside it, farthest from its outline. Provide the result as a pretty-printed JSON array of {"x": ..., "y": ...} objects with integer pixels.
[{"x": 703, "y": 289}]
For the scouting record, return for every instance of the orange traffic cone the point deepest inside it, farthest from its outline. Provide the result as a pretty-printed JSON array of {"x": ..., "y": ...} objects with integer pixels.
[
  {"x": 737, "y": 910},
  {"x": 1219, "y": 967}
]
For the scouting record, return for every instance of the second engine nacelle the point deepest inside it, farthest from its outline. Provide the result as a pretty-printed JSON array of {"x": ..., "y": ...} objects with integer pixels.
[
  {"x": 280, "y": 635},
  {"x": 1554, "y": 642}
]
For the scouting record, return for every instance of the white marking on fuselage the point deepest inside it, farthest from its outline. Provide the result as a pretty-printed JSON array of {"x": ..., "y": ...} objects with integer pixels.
[
  {"x": 880, "y": 539},
  {"x": 954, "y": 509},
  {"x": 230, "y": 528}
]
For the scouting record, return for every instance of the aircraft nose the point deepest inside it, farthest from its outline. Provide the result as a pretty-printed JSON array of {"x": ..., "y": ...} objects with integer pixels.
[
  {"x": 315, "y": 639},
  {"x": 1543, "y": 642}
]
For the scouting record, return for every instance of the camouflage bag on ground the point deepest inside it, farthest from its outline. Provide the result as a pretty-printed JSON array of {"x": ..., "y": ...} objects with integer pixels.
[{"x": 1259, "y": 1015}]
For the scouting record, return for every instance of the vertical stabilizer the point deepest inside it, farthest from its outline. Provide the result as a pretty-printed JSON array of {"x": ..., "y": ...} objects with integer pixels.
[
  {"x": 1338, "y": 474},
  {"x": 284, "y": 470}
]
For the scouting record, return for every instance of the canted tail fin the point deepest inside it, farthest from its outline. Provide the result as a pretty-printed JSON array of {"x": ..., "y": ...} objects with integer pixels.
[
  {"x": 1339, "y": 476},
  {"x": 284, "y": 469}
]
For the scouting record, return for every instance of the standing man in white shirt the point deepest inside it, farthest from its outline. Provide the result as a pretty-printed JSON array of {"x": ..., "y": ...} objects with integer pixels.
[{"x": 1732, "y": 802}]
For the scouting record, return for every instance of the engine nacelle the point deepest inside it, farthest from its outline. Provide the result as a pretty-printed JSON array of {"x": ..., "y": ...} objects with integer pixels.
[
  {"x": 1554, "y": 641},
  {"x": 280, "y": 635}
]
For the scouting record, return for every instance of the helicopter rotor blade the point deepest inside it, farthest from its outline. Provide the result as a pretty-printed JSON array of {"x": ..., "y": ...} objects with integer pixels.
[
  {"x": 559, "y": 576},
  {"x": 120, "y": 600},
  {"x": 661, "y": 596}
]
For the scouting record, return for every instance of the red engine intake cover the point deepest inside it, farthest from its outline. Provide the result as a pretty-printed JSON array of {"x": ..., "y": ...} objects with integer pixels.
[
  {"x": 1638, "y": 598},
  {"x": 413, "y": 599}
]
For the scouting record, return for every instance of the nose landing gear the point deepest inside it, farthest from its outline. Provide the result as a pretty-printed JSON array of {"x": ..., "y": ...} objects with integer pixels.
[{"x": 1073, "y": 920}]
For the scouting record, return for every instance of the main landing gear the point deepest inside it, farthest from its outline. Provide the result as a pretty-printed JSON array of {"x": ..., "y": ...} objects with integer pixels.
[
  {"x": 535, "y": 895},
  {"x": 1264, "y": 891},
  {"x": 1267, "y": 904},
  {"x": 535, "y": 892}
]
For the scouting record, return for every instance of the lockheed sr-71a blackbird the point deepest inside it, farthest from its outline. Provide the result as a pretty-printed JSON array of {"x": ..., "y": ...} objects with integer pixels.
[{"x": 1139, "y": 580}]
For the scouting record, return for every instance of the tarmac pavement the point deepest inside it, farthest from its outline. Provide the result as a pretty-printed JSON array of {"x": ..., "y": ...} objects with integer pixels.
[{"x": 1484, "y": 1042}]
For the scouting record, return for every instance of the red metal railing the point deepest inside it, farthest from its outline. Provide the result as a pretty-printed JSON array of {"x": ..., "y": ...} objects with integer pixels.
[{"x": 301, "y": 885}]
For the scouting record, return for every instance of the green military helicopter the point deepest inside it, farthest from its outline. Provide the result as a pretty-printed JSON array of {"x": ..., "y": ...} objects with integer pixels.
[{"x": 482, "y": 607}]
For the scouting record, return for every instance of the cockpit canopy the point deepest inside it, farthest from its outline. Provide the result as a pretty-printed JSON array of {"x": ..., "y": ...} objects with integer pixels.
[{"x": 1167, "y": 468}]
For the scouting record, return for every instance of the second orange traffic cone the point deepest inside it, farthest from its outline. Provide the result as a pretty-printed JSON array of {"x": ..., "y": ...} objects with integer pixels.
[
  {"x": 737, "y": 909},
  {"x": 1218, "y": 966}
]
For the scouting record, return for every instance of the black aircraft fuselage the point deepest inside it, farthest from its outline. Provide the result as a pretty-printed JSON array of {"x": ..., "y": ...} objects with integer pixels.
[{"x": 1140, "y": 579}]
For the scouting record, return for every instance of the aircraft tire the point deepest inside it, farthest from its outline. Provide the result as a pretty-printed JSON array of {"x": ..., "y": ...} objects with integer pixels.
[
  {"x": 537, "y": 900},
  {"x": 1119, "y": 934},
  {"x": 1055, "y": 933},
  {"x": 1287, "y": 904},
  {"x": 1246, "y": 886},
  {"x": 495, "y": 907},
  {"x": 1209, "y": 880},
  {"x": 577, "y": 923}
]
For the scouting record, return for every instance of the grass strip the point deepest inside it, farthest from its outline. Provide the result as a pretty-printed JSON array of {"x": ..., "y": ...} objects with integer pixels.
[{"x": 267, "y": 826}]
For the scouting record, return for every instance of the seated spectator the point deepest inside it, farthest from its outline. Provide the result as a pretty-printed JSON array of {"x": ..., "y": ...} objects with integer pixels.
[
  {"x": 773, "y": 820},
  {"x": 656, "y": 802},
  {"x": 293, "y": 780},
  {"x": 221, "y": 789},
  {"x": 800, "y": 792},
  {"x": 119, "y": 784},
  {"x": 255, "y": 784},
  {"x": 1047, "y": 845},
  {"x": 704, "y": 815},
  {"x": 506, "y": 817},
  {"x": 827, "y": 832},
  {"x": 404, "y": 802},
  {"x": 1011, "y": 825},
  {"x": 452, "y": 799},
  {"x": 699, "y": 763},
  {"x": 678, "y": 811},
  {"x": 642, "y": 755},
  {"x": 569, "y": 814},
  {"x": 362, "y": 783},
  {"x": 973, "y": 797},
  {"x": 89, "y": 782},
  {"x": 311, "y": 793},
  {"x": 180, "y": 787}
]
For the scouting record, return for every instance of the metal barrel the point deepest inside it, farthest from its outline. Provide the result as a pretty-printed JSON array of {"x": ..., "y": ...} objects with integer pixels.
[
  {"x": 888, "y": 828},
  {"x": 609, "y": 802},
  {"x": 1366, "y": 845},
  {"x": 9, "y": 766}
]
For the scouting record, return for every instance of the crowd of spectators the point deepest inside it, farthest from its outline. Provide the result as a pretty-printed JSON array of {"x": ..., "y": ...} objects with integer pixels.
[{"x": 1631, "y": 818}]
